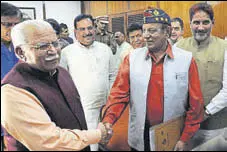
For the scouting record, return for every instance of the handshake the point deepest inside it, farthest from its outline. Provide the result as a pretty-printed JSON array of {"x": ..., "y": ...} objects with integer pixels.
[{"x": 106, "y": 132}]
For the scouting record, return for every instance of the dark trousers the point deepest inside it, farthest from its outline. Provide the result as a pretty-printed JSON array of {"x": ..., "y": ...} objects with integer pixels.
[
  {"x": 146, "y": 137},
  {"x": 2, "y": 144}
]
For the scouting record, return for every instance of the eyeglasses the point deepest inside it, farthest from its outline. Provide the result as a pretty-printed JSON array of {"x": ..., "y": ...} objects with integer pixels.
[
  {"x": 82, "y": 29},
  {"x": 46, "y": 46},
  {"x": 8, "y": 24}
]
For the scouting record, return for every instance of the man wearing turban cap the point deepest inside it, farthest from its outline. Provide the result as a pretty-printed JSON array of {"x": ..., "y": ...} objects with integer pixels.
[{"x": 160, "y": 83}]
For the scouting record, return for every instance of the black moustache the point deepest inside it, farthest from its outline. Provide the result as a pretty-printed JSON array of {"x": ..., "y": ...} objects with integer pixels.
[{"x": 199, "y": 31}]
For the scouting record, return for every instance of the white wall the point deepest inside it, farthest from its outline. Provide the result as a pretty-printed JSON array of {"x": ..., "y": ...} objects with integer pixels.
[
  {"x": 36, "y": 4},
  {"x": 62, "y": 11}
]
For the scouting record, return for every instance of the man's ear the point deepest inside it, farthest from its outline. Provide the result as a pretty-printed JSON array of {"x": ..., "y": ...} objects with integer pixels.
[
  {"x": 20, "y": 53},
  {"x": 168, "y": 31},
  {"x": 182, "y": 32},
  {"x": 213, "y": 21},
  {"x": 75, "y": 30}
]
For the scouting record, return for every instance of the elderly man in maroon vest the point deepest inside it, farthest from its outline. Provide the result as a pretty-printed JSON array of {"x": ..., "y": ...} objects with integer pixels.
[{"x": 41, "y": 106}]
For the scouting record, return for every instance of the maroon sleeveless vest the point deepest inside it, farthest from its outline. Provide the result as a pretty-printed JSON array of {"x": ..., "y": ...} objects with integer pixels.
[{"x": 57, "y": 94}]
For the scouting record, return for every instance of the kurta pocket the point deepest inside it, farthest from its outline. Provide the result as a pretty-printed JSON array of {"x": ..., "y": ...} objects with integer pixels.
[{"x": 214, "y": 71}]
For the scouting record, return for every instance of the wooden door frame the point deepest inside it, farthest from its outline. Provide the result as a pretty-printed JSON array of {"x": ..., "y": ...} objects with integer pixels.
[
  {"x": 114, "y": 16},
  {"x": 125, "y": 15}
]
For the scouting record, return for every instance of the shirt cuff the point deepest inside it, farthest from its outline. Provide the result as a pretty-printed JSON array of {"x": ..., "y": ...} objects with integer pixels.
[
  {"x": 188, "y": 132},
  {"x": 109, "y": 119},
  {"x": 185, "y": 138},
  {"x": 211, "y": 109},
  {"x": 91, "y": 136}
]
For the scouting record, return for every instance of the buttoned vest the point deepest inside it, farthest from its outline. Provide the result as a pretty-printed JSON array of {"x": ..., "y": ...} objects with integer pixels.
[{"x": 210, "y": 62}]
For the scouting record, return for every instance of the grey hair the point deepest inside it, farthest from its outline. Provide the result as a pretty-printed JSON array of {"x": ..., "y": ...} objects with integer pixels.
[{"x": 20, "y": 32}]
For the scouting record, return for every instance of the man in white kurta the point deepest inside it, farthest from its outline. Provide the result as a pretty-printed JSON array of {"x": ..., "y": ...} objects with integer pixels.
[
  {"x": 92, "y": 68},
  {"x": 123, "y": 47}
]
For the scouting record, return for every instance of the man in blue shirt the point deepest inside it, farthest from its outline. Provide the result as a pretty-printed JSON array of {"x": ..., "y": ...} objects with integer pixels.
[{"x": 10, "y": 16}]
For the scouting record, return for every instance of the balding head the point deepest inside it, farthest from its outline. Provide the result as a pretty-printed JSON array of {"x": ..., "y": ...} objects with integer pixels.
[{"x": 31, "y": 32}]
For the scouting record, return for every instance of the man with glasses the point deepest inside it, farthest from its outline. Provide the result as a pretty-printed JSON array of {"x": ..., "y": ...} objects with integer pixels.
[
  {"x": 160, "y": 83},
  {"x": 10, "y": 16},
  {"x": 40, "y": 105},
  {"x": 209, "y": 53},
  {"x": 92, "y": 68}
]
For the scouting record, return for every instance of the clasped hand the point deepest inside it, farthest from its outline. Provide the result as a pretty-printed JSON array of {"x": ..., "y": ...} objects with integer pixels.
[{"x": 106, "y": 132}]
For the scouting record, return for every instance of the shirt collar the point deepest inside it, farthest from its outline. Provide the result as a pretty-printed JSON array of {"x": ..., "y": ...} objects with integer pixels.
[
  {"x": 82, "y": 46},
  {"x": 168, "y": 52}
]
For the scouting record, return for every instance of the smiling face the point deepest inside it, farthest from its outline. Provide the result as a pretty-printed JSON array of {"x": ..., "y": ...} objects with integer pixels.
[
  {"x": 40, "y": 47},
  {"x": 85, "y": 32},
  {"x": 154, "y": 36},
  {"x": 201, "y": 26},
  {"x": 136, "y": 39},
  {"x": 177, "y": 31}
]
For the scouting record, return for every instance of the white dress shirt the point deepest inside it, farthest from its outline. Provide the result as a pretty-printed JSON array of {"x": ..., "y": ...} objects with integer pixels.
[{"x": 125, "y": 46}]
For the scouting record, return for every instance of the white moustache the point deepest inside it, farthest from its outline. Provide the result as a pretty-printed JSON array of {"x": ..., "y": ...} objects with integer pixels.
[{"x": 50, "y": 58}]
